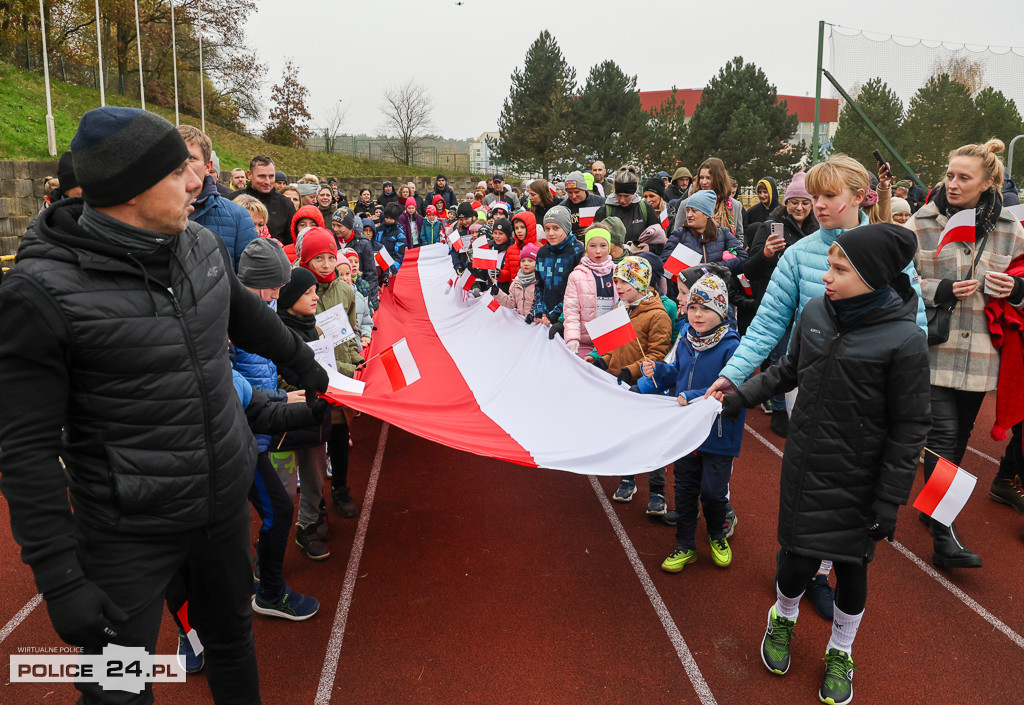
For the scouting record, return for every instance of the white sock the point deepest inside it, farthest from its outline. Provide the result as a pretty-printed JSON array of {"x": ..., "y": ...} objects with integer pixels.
[
  {"x": 825, "y": 568},
  {"x": 844, "y": 631},
  {"x": 787, "y": 607}
]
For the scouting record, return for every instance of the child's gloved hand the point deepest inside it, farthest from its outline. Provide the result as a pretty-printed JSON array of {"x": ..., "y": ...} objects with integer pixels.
[
  {"x": 599, "y": 363},
  {"x": 529, "y": 318},
  {"x": 494, "y": 289},
  {"x": 732, "y": 405},
  {"x": 883, "y": 520},
  {"x": 573, "y": 345},
  {"x": 555, "y": 329},
  {"x": 625, "y": 376}
]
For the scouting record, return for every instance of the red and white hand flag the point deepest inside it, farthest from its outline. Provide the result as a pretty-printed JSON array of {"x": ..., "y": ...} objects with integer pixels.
[
  {"x": 1017, "y": 212},
  {"x": 455, "y": 240},
  {"x": 611, "y": 330},
  {"x": 481, "y": 243},
  {"x": 587, "y": 216},
  {"x": 745, "y": 283},
  {"x": 681, "y": 258},
  {"x": 485, "y": 259},
  {"x": 665, "y": 223},
  {"x": 193, "y": 637},
  {"x": 383, "y": 259},
  {"x": 959, "y": 228},
  {"x": 492, "y": 303},
  {"x": 946, "y": 492},
  {"x": 400, "y": 365}
]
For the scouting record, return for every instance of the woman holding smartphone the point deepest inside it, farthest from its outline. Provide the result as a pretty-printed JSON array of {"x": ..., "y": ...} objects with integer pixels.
[{"x": 969, "y": 274}]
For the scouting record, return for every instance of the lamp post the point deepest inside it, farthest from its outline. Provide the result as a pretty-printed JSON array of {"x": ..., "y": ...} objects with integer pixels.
[
  {"x": 99, "y": 56},
  {"x": 138, "y": 44},
  {"x": 174, "y": 59},
  {"x": 51, "y": 134}
]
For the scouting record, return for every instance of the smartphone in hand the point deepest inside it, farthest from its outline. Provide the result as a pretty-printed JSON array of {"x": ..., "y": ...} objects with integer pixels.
[{"x": 883, "y": 163}]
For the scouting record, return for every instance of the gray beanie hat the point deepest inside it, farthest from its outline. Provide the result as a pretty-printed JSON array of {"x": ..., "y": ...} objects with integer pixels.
[
  {"x": 307, "y": 189},
  {"x": 576, "y": 180},
  {"x": 560, "y": 216},
  {"x": 345, "y": 216},
  {"x": 216, "y": 161},
  {"x": 264, "y": 265},
  {"x": 120, "y": 152}
]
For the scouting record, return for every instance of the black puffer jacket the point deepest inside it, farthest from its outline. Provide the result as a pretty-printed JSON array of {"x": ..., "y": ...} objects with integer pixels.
[
  {"x": 156, "y": 441},
  {"x": 859, "y": 423}
]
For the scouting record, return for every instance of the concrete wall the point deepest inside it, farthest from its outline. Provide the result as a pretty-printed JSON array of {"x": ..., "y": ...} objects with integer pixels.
[{"x": 21, "y": 194}]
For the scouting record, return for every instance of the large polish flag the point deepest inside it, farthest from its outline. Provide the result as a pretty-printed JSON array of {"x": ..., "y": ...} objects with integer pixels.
[
  {"x": 959, "y": 228},
  {"x": 526, "y": 411},
  {"x": 946, "y": 492}
]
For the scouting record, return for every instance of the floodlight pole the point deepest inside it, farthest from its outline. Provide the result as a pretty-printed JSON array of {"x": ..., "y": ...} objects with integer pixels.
[
  {"x": 99, "y": 55},
  {"x": 51, "y": 133},
  {"x": 174, "y": 58},
  {"x": 817, "y": 93},
  {"x": 1009, "y": 158},
  {"x": 138, "y": 44},
  {"x": 202, "y": 98}
]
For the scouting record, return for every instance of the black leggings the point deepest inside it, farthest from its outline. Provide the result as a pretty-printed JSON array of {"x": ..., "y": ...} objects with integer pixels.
[
  {"x": 337, "y": 447},
  {"x": 953, "y": 416},
  {"x": 851, "y": 580}
]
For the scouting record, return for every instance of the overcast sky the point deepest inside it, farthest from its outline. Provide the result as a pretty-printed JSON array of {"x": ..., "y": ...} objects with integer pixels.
[{"x": 434, "y": 42}]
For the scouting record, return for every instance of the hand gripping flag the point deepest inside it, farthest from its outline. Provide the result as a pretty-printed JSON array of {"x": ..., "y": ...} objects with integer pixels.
[
  {"x": 959, "y": 228},
  {"x": 946, "y": 492},
  {"x": 611, "y": 331},
  {"x": 383, "y": 259},
  {"x": 400, "y": 366},
  {"x": 682, "y": 257}
]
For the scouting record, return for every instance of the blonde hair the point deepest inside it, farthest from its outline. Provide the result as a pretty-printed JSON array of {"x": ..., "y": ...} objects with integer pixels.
[
  {"x": 837, "y": 173},
  {"x": 836, "y": 251},
  {"x": 987, "y": 152},
  {"x": 309, "y": 179},
  {"x": 287, "y": 188},
  {"x": 253, "y": 205},
  {"x": 196, "y": 136}
]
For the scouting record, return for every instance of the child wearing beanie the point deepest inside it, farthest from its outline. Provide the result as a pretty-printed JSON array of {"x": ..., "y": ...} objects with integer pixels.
[
  {"x": 703, "y": 476},
  {"x": 520, "y": 290},
  {"x": 555, "y": 260},
  {"x": 390, "y": 236},
  {"x": 431, "y": 228},
  {"x": 653, "y": 328},
  {"x": 861, "y": 362},
  {"x": 590, "y": 290}
]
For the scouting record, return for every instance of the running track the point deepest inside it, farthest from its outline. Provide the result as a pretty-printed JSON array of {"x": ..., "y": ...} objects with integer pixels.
[{"x": 469, "y": 580}]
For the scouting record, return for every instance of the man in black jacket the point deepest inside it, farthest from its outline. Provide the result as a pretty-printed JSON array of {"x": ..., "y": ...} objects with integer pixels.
[
  {"x": 115, "y": 329},
  {"x": 261, "y": 186}
]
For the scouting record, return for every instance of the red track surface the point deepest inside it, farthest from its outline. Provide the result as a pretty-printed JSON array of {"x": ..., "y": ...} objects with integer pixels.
[{"x": 485, "y": 582}]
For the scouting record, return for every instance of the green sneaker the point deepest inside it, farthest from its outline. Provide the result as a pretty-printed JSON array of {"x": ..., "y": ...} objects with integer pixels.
[
  {"x": 721, "y": 554},
  {"x": 678, "y": 558},
  {"x": 837, "y": 687},
  {"x": 775, "y": 644}
]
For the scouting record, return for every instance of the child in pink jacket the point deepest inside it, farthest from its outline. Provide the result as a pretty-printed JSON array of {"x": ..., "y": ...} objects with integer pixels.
[
  {"x": 520, "y": 290},
  {"x": 590, "y": 290}
]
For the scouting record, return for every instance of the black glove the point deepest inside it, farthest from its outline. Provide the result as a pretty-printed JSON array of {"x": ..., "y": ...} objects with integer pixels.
[
  {"x": 494, "y": 289},
  {"x": 83, "y": 615},
  {"x": 313, "y": 379},
  {"x": 600, "y": 364},
  {"x": 883, "y": 520},
  {"x": 555, "y": 329},
  {"x": 732, "y": 405},
  {"x": 318, "y": 406},
  {"x": 944, "y": 293},
  {"x": 625, "y": 376},
  {"x": 529, "y": 318}
]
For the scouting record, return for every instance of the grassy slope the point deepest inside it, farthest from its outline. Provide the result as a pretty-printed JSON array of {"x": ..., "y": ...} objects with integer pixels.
[{"x": 23, "y": 131}]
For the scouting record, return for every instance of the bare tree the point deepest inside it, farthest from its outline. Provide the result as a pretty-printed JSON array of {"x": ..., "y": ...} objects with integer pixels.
[
  {"x": 332, "y": 125},
  {"x": 407, "y": 120}
]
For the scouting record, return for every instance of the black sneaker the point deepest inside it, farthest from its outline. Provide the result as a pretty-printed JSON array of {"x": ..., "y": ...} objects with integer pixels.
[
  {"x": 343, "y": 503},
  {"x": 821, "y": 595},
  {"x": 1008, "y": 492},
  {"x": 656, "y": 506},
  {"x": 305, "y": 537},
  {"x": 779, "y": 423},
  {"x": 837, "y": 686}
]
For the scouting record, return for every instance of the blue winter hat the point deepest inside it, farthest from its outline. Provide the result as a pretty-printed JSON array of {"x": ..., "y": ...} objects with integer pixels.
[
  {"x": 120, "y": 152},
  {"x": 703, "y": 201},
  {"x": 368, "y": 223}
]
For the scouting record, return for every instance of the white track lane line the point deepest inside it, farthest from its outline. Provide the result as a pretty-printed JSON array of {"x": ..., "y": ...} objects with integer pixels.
[
  {"x": 983, "y": 455},
  {"x": 675, "y": 636},
  {"x": 20, "y": 617},
  {"x": 333, "y": 655},
  {"x": 931, "y": 572}
]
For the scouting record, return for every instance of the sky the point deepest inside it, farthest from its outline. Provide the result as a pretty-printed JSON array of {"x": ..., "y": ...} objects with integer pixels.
[{"x": 464, "y": 51}]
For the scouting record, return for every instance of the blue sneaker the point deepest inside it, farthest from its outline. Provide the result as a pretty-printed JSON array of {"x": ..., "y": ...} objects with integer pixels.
[
  {"x": 627, "y": 488},
  {"x": 291, "y": 605},
  {"x": 187, "y": 657}
]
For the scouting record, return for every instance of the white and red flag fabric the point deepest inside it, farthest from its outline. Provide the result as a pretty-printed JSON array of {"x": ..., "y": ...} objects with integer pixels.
[
  {"x": 611, "y": 330},
  {"x": 485, "y": 259},
  {"x": 481, "y": 243},
  {"x": 455, "y": 240},
  {"x": 190, "y": 632},
  {"x": 745, "y": 283},
  {"x": 465, "y": 281},
  {"x": 499, "y": 407},
  {"x": 587, "y": 216},
  {"x": 959, "y": 228},
  {"x": 383, "y": 259},
  {"x": 399, "y": 365},
  {"x": 665, "y": 222},
  {"x": 946, "y": 492},
  {"x": 682, "y": 257},
  {"x": 1016, "y": 211}
]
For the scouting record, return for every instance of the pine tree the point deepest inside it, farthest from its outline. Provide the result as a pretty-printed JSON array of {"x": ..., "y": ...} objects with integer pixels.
[
  {"x": 610, "y": 122},
  {"x": 289, "y": 115},
  {"x": 998, "y": 116},
  {"x": 941, "y": 117},
  {"x": 666, "y": 136},
  {"x": 854, "y": 138},
  {"x": 537, "y": 113},
  {"x": 739, "y": 102}
]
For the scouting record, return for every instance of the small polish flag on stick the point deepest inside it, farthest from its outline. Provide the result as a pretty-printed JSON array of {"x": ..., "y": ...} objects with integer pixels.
[
  {"x": 485, "y": 259},
  {"x": 193, "y": 637},
  {"x": 959, "y": 228},
  {"x": 455, "y": 240},
  {"x": 1016, "y": 211},
  {"x": 383, "y": 259},
  {"x": 399, "y": 365},
  {"x": 745, "y": 283},
  {"x": 946, "y": 491},
  {"x": 481, "y": 243},
  {"x": 587, "y": 216},
  {"x": 665, "y": 223},
  {"x": 493, "y": 304},
  {"x": 681, "y": 258},
  {"x": 466, "y": 281},
  {"x": 611, "y": 330}
]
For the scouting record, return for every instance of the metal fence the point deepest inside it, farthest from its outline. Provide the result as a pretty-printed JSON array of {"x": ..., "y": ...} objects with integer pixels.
[{"x": 377, "y": 150}]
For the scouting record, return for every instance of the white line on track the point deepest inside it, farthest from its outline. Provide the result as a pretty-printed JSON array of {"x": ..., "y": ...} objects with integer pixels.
[
  {"x": 330, "y": 670},
  {"x": 20, "y": 617},
  {"x": 986, "y": 457},
  {"x": 931, "y": 572},
  {"x": 675, "y": 636}
]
